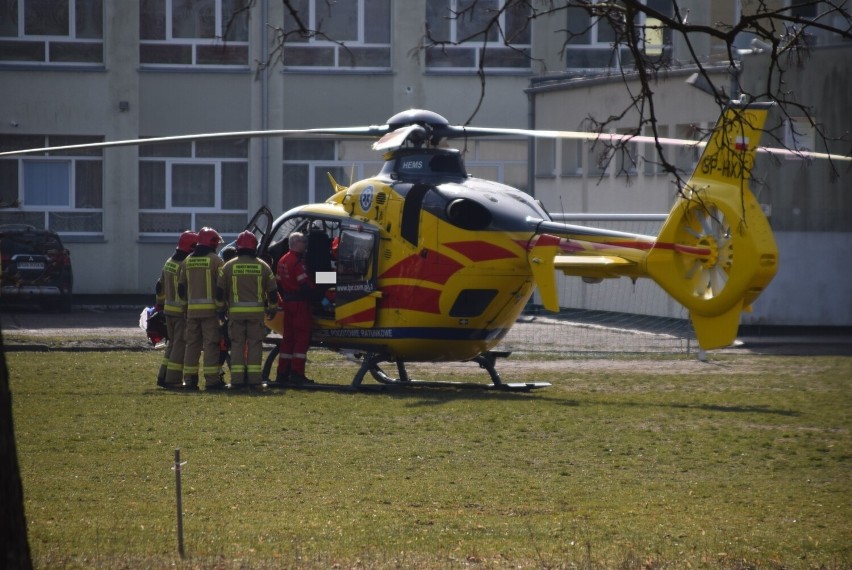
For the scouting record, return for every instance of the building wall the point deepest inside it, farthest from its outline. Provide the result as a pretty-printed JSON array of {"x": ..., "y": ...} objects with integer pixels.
[{"x": 123, "y": 99}]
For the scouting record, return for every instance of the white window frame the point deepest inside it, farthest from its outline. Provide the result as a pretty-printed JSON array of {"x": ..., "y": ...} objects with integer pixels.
[
  {"x": 46, "y": 211},
  {"x": 477, "y": 46},
  {"x": 616, "y": 51},
  {"x": 342, "y": 60},
  {"x": 48, "y": 40},
  {"x": 196, "y": 213},
  {"x": 194, "y": 43}
]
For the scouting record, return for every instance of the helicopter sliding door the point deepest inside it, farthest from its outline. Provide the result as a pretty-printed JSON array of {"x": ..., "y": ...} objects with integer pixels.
[{"x": 356, "y": 296}]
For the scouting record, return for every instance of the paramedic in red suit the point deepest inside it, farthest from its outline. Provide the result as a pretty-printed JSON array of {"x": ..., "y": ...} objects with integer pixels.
[{"x": 296, "y": 288}]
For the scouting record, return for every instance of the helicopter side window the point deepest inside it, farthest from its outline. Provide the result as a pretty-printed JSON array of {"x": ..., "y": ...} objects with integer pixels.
[
  {"x": 354, "y": 254},
  {"x": 278, "y": 244}
]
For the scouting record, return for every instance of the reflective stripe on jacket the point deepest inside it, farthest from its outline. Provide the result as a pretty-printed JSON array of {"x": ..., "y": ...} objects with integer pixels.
[
  {"x": 198, "y": 277},
  {"x": 168, "y": 296},
  {"x": 247, "y": 282}
]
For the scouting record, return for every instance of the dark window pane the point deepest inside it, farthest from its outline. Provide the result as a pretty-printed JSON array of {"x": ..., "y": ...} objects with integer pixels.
[
  {"x": 193, "y": 18},
  {"x": 22, "y": 51},
  {"x": 471, "y": 23},
  {"x": 438, "y": 19},
  {"x": 322, "y": 186},
  {"x": 606, "y": 32},
  {"x": 364, "y": 57},
  {"x": 377, "y": 21},
  {"x": 227, "y": 148},
  {"x": 35, "y": 219},
  {"x": 152, "y": 185},
  {"x": 222, "y": 54},
  {"x": 20, "y": 142},
  {"x": 9, "y": 19},
  {"x": 295, "y": 149},
  {"x": 193, "y": 185},
  {"x": 234, "y": 185},
  {"x": 8, "y": 183},
  {"x": 235, "y": 20},
  {"x": 89, "y": 184},
  {"x": 307, "y": 56},
  {"x": 165, "y": 54},
  {"x": 295, "y": 185},
  {"x": 164, "y": 223},
  {"x": 223, "y": 223},
  {"x": 90, "y": 19},
  {"x": 578, "y": 26},
  {"x": 60, "y": 140},
  {"x": 76, "y": 52},
  {"x": 505, "y": 57},
  {"x": 451, "y": 57},
  {"x": 76, "y": 221},
  {"x": 166, "y": 150},
  {"x": 518, "y": 24},
  {"x": 292, "y": 24},
  {"x": 152, "y": 20},
  {"x": 46, "y": 18},
  {"x": 338, "y": 20}
]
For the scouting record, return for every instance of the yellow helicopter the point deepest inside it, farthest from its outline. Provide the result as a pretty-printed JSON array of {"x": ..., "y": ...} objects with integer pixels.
[
  {"x": 431, "y": 264},
  {"x": 425, "y": 263}
]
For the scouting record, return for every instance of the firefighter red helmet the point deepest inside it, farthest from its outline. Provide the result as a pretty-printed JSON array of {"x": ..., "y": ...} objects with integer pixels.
[
  {"x": 209, "y": 237},
  {"x": 187, "y": 241},
  {"x": 246, "y": 240}
]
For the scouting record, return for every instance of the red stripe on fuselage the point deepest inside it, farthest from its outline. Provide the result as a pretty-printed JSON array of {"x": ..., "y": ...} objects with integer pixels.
[
  {"x": 411, "y": 298},
  {"x": 480, "y": 250},
  {"x": 363, "y": 317},
  {"x": 428, "y": 266}
]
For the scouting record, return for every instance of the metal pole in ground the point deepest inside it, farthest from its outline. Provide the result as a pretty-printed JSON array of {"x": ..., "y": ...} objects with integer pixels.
[{"x": 177, "y": 468}]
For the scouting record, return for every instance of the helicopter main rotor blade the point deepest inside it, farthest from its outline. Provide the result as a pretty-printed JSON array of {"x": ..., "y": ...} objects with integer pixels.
[
  {"x": 370, "y": 131},
  {"x": 400, "y": 135},
  {"x": 615, "y": 137}
]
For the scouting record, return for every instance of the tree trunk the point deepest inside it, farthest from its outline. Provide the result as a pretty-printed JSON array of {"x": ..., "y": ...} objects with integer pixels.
[{"x": 14, "y": 548}]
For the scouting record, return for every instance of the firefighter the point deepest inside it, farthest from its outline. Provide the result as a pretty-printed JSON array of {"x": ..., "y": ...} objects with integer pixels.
[
  {"x": 171, "y": 369},
  {"x": 246, "y": 286},
  {"x": 196, "y": 290},
  {"x": 296, "y": 288}
]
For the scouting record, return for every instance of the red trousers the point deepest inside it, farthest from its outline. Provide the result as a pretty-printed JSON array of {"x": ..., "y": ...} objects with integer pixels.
[{"x": 295, "y": 338}]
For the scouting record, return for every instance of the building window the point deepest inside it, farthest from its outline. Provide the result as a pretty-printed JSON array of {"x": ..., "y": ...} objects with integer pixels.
[
  {"x": 345, "y": 35},
  {"x": 594, "y": 46},
  {"x": 61, "y": 190},
  {"x": 194, "y": 32},
  {"x": 466, "y": 36},
  {"x": 193, "y": 184},
  {"x": 307, "y": 164},
  {"x": 58, "y": 32},
  {"x": 572, "y": 157}
]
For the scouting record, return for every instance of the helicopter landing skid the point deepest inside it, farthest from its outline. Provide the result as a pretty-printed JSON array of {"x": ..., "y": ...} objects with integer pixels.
[{"x": 486, "y": 360}]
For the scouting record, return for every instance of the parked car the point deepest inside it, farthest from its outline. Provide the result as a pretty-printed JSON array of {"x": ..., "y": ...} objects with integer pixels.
[{"x": 35, "y": 267}]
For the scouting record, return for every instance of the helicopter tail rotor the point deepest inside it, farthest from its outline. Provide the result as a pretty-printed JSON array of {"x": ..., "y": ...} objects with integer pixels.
[{"x": 716, "y": 253}]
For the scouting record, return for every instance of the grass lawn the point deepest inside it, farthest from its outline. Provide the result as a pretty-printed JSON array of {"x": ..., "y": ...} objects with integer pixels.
[{"x": 743, "y": 462}]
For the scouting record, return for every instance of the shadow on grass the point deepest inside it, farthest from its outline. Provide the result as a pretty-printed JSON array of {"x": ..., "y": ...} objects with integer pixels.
[{"x": 432, "y": 395}]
